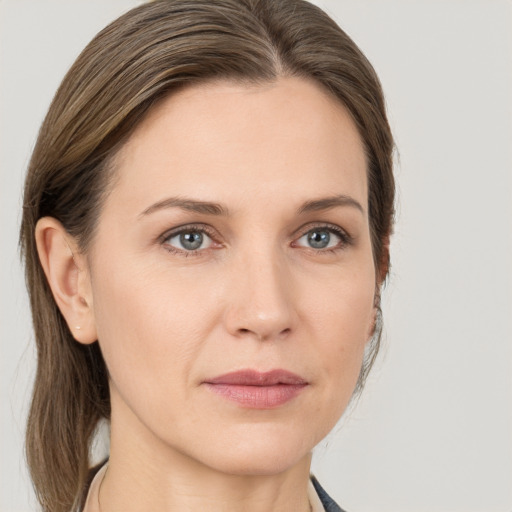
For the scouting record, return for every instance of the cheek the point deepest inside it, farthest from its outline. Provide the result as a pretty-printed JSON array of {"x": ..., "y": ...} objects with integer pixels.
[
  {"x": 344, "y": 306},
  {"x": 342, "y": 325},
  {"x": 149, "y": 327}
]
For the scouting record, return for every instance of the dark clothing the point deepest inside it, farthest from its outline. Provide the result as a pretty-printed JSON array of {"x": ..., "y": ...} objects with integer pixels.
[{"x": 329, "y": 504}]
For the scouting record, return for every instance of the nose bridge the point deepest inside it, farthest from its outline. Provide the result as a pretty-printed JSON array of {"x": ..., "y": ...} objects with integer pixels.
[{"x": 261, "y": 304}]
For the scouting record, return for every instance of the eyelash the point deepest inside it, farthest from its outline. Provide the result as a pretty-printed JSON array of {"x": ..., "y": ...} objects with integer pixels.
[
  {"x": 198, "y": 228},
  {"x": 345, "y": 239}
]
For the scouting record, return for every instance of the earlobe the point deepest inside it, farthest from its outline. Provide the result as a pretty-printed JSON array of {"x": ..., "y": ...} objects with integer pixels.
[{"x": 68, "y": 277}]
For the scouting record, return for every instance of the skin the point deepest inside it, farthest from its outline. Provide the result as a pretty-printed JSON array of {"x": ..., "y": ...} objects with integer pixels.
[{"x": 255, "y": 295}]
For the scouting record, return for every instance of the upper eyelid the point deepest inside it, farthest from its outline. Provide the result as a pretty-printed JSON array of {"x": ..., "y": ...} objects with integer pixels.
[
  {"x": 186, "y": 228},
  {"x": 323, "y": 225}
]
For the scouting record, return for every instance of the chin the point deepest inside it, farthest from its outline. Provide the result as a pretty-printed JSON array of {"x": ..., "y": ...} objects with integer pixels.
[
  {"x": 262, "y": 451},
  {"x": 257, "y": 464}
]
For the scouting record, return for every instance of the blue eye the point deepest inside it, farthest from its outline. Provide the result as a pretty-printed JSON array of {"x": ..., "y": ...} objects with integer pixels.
[
  {"x": 190, "y": 240},
  {"x": 320, "y": 238}
]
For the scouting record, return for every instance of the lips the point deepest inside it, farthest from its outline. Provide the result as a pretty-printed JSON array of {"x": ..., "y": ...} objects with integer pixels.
[{"x": 258, "y": 390}]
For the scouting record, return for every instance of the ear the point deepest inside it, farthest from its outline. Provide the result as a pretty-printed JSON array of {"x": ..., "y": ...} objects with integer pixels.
[
  {"x": 375, "y": 315},
  {"x": 68, "y": 275},
  {"x": 384, "y": 263},
  {"x": 382, "y": 272}
]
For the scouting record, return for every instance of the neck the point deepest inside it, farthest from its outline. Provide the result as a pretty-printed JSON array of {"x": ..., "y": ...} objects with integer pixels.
[
  {"x": 141, "y": 489},
  {"x": 147, "y": 474}
]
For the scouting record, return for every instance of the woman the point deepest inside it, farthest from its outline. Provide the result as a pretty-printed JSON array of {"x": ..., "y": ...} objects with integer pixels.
[{"x": 206, "y": 225}]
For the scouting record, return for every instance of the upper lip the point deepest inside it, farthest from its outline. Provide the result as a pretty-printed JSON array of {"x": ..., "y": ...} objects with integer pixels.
[{"x": 257, "y": 378}]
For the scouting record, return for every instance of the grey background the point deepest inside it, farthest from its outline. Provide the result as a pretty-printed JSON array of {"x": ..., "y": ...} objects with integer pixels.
[{"x": 433, "y": 431}]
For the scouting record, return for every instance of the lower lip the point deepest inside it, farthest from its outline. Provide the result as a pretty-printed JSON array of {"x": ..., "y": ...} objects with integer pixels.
[{"x": 258, "y": 397}]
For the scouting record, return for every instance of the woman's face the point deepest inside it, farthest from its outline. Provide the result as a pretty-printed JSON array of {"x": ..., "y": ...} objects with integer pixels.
[{"x": 231, "y": 278}]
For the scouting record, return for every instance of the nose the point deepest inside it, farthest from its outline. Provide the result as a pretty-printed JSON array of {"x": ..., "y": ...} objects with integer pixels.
[{"x": 261, "y": 299}]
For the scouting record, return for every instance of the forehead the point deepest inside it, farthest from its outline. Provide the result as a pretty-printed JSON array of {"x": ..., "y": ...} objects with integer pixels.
[{"x": 239, "y": 142}]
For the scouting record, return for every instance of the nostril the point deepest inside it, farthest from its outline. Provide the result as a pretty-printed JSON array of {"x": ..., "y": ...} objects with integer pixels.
[{"x": 263, "y": 336}]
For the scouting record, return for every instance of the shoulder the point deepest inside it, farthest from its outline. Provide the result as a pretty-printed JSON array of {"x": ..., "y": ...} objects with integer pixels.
[{"x": 329, "y": 504}]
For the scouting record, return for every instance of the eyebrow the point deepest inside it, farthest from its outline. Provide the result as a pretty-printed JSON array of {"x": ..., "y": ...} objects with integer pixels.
[
  {"x": 192, "y": 205},
  {"x": 327, "y": 203},
  {"x": 210, "y": 208}
]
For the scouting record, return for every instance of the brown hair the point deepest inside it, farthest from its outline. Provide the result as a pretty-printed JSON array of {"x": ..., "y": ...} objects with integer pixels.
[{"x": 127, "y": 68}]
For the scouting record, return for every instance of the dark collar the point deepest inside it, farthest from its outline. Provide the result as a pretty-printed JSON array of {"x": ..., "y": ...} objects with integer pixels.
[{"x": 329, "y": 504}]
